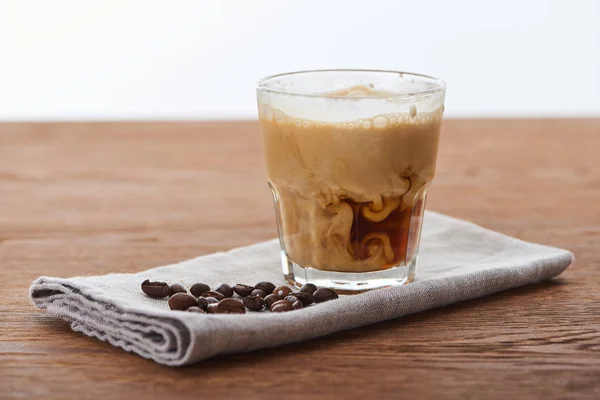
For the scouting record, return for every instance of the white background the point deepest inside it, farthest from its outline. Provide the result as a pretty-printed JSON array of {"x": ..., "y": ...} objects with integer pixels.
[{"x": 146, "y": 59}]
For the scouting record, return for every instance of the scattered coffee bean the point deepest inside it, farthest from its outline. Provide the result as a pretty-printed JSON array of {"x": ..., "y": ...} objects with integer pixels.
[
  {"x": 281, "y": 306},
  {"x": 254, "y": 298},
  {"x": 267, "y": 287},
  {"x": 259, "y": 292},
  {"x": 211, "y": 293},
  {"x": 297, "y": 305},
  {"x": 182, "y": 301},
  {"x": 306, "y": 298},
  {"x": 254, "y": 302},
  {"x": 203, "y": 303},
  {"x": 198, "y": 288},
  {"x": 324, "y": 294},
  {"x": 177, "y": 288},
  {"x": 231, "y": 306},
  {"x": 282, "y": 291},
  {"x": 213, "y": 308},
  {"x": 272, "y": 298},
  {"x": 224, "y": 289},
  {"x": 308, "y": 288},
  {"x": 156, "y": 290},
  {"x": 210, "y": 300},
  {"x": 243, "y": 290}
]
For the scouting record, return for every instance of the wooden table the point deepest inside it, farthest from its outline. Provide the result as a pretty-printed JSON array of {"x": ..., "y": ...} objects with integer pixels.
[{"x": 94, "y": 198}]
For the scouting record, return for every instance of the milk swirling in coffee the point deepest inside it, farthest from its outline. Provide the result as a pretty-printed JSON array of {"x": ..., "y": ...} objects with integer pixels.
[{"x": 350, "y": 196}]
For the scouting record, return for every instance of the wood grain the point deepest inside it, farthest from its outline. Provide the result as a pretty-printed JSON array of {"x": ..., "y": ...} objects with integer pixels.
[{"x": 94, "y": 198}]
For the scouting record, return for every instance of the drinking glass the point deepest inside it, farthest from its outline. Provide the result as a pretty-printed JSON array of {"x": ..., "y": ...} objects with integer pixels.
[{"x": 349, "y": 156}]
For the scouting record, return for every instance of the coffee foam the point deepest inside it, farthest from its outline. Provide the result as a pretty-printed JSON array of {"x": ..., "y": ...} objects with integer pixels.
[
  {"x": 377, "y": 122},
  {"x": 359, "y": 91},
  {"x": 356, "y": 107}
]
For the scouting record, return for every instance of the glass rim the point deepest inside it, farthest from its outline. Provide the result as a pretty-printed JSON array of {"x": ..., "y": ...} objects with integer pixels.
[{"x": 441, "y": 85}]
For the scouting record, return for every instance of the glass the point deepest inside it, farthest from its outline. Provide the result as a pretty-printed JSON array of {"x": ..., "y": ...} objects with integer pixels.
[{"x": 349, "y": 157}]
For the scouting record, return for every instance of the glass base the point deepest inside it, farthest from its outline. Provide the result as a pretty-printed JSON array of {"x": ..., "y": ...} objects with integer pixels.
[{"x": 348, "y": 281}]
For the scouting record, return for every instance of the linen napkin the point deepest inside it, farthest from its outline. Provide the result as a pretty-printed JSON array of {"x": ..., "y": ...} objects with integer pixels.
[{"x": 457, "y": 261}]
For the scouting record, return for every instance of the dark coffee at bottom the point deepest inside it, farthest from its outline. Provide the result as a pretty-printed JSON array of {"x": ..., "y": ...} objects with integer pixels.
[{"x": 393, "y": 236}]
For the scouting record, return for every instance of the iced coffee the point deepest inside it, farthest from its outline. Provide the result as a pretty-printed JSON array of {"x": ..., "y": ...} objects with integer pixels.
[{"x": 350, "y": 192}]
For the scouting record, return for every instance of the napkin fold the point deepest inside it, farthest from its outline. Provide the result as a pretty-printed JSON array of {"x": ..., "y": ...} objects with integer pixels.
[{"x": 457, "y": 261}]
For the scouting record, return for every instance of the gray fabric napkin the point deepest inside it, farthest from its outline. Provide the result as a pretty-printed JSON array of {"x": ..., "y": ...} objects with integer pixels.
[{"x": 457, "y": 261}]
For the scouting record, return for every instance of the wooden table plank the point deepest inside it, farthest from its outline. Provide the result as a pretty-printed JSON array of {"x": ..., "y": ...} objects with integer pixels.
[{"x": 93, "y": 198}]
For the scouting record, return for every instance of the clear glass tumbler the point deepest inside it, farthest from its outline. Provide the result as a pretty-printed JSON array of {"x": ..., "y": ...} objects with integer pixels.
[{"x": 349, "y": 157}]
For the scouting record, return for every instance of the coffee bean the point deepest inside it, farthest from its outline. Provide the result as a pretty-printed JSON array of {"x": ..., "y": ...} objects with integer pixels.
[
  {"x": 182, "y": 301},
  {"x": 198, "y": 288},
  {"x": 243, "y": 290},
  {"x": 196, "y": 310},
  {"x": 177, "y": 288},
  {"x": 156, "y": 290},
  {"x": 324, "y": 294},
  {"x": 272, "y": 298},
  {"x": 254, "y": 302},
  {"x": 211, "y": 293},
  {"x": 267, "y": 287},
  {"x": 308, "y": 288},
  {"x": 203, "y": 303},
  {"x": 210, "y": 300},
  {"x": 306, "y": 298},
  {"x": 212, "y": 309},
  {"x": 282, "y": 291},
  {"x": 231, "y": 306},
  {"x": 224, "y": 289},
  {"x": 297, "y": 305},
  {"x": 259, "y": 292},
  {"x": 281, "y": 306}
]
